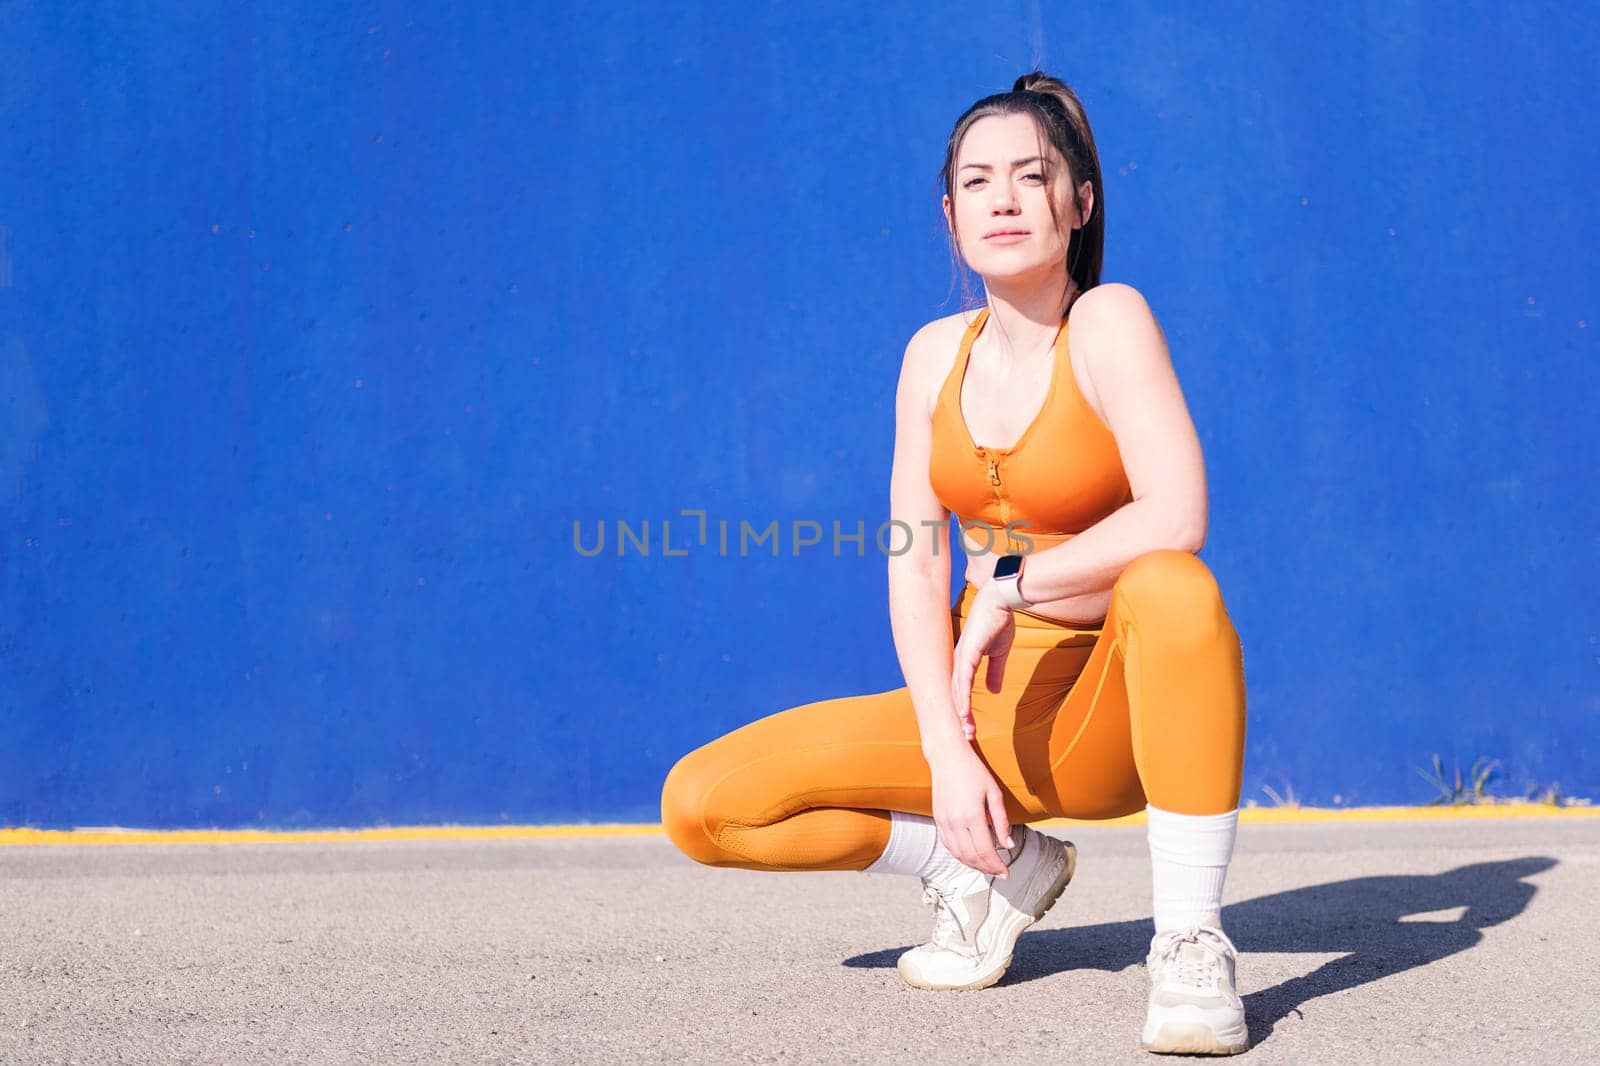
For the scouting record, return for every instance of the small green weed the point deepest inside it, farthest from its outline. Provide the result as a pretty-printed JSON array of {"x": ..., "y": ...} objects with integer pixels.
[
  {"x": 1453, "y": 789},
  {"x": 1554, "y": 797}
]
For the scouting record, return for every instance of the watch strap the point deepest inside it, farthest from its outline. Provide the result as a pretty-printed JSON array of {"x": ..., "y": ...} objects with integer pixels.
[{"x": 1010, "y": 589}]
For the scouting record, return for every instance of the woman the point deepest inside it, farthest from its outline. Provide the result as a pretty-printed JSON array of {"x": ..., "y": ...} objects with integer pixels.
[{"x": 1052, "y": 424}]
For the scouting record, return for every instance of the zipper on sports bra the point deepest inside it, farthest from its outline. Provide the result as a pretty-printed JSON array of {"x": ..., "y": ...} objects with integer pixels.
[{"x": 1000, "y": 494}]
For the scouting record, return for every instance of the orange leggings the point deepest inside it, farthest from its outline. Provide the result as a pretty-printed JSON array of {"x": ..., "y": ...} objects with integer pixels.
[{"x": 1089, "y": 723}]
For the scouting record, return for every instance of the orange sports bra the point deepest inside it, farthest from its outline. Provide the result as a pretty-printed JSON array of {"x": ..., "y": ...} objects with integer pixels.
[{"x": 1061, "y": 476}]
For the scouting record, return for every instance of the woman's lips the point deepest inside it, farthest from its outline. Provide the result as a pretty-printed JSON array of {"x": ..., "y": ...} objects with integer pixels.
[{"x": 1006, "y": 238}]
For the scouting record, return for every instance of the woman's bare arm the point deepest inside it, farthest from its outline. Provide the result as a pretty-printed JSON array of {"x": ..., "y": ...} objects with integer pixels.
[{"x": 919, "y": 579}]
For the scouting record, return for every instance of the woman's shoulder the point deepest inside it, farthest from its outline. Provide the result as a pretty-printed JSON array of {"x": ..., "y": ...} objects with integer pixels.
[
  {"x": 1116, "y": 338},
  {"x": 935, "y": 332},
  {"x": 1109, "y": 303},
  {"x": 1107, "y": 322},
  {"x": 930, "y": 354},
  {"x": 933, "y": 346}
]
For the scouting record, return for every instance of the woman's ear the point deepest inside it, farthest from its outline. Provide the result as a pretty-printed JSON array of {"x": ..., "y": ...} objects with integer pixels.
[
  {"x": 1085, "y": 203},
  {"x": 949, "y": 222}
]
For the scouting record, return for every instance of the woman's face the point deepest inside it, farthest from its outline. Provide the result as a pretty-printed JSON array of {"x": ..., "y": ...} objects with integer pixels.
[{"x": 1001, "y": 214}]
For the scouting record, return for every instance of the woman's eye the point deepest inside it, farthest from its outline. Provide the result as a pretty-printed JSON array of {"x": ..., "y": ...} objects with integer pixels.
[{"x": 973, "y": 183}]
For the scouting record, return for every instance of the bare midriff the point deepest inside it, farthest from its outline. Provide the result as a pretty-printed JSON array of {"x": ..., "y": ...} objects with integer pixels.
[{"x": 1086, "y": 611}]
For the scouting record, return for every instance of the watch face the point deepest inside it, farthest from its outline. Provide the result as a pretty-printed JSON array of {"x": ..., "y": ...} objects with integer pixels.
[{"x": 1007, "y": 565}]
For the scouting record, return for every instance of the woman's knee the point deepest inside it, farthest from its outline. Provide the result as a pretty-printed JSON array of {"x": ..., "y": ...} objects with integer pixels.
[
  {"x": 1175, "y": 586},
  {"x": 684, "y": 814}
]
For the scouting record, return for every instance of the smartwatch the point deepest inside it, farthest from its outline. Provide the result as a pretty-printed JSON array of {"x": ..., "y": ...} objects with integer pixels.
[{"x": 1008, "y": 581}]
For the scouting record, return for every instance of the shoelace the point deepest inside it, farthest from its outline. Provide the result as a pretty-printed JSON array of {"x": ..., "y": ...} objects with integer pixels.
[
  {"x": 946, "y": 926},
  {"x": 1203, "y": 972}
]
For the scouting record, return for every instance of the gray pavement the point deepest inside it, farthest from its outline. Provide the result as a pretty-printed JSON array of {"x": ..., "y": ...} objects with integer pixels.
[{"x": 1393, "y": 942}]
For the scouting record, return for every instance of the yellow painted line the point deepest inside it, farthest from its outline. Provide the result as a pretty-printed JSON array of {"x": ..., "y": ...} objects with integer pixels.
[
  {"x": 118, "y": 835},
  {"x": 1247, "y": 816},
  {"x": 1282, "y": 815}
]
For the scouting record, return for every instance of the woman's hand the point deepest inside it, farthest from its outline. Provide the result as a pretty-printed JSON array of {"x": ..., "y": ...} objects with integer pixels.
[
  {"x": 988, "y": 630},
  {"x": 966, "y": 804}
]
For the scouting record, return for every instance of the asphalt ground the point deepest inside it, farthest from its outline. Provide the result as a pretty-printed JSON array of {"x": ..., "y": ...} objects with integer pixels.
[{"x": 1392, "y": 942}]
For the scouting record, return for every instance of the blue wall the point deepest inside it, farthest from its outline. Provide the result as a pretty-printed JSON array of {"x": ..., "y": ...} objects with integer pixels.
[{"x": 319, "y": 327}]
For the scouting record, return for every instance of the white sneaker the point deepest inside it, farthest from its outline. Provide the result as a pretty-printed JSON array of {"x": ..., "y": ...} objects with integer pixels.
[
  {"x": 977, "y": 922},
  {"x": 1194, "y": 1008}
]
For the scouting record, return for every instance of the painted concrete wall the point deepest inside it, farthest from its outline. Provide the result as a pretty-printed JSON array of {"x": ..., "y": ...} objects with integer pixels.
[{"x": 320, "y": 325}]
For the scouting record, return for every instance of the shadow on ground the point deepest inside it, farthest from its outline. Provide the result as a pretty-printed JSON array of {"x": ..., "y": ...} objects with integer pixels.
[{"x": 1364, "y": 918}]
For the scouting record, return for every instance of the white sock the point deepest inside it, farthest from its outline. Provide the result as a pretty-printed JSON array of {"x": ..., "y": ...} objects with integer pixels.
[
  {"x": 1189, "y": 856},
  {"x": 915, "y": 848}
]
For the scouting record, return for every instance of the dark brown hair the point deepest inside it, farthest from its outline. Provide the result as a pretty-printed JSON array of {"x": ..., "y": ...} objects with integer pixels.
[{"x": 1058, "y": 114}]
